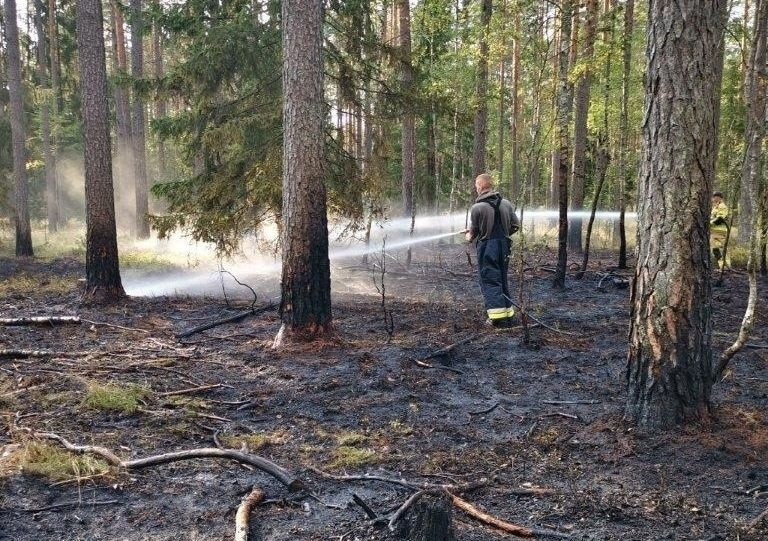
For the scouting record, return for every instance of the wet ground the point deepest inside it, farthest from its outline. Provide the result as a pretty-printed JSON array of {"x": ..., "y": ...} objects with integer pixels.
[{"x": 543, "y": 415}]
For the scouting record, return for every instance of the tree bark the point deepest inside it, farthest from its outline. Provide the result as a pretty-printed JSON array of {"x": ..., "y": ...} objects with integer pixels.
[
  {"x": 306, "y": 281},
  {"x": 481, "y": 94},
  {"x": 138, "y": 136},
  {"x": 49, "y": 157},
  {"x": 53, "y": 36},
  {"x": 18, "y": 134},
  {"x": 160, "y": 105},
  {"x": 409, "y": 117},
  {"x": 514, "y": 124},
  {"x": 564, "y": 106},
  {"x": 670, "y": 357},
  {"x": 583, "y": 88},
  {"x": 754, "y": 96},
  {"x": 629, "y": 20},
  {"x": 101, "y": 258}
]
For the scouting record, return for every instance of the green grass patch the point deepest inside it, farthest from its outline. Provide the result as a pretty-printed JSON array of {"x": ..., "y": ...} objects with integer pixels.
[
  {"x": 145, "y": 261},
  {"x": 254, "y": 441},
  {"x": 351, "y": 439},
  {"x": 352, "y": 457},
  {"x": 44, "y": 460},
  {"x": 26, "y": 284},
  {"x": 115, "y": 398}
]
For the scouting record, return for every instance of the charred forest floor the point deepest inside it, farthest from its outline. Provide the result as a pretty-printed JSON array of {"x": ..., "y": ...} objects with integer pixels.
[{"x": 547, "y": 415}]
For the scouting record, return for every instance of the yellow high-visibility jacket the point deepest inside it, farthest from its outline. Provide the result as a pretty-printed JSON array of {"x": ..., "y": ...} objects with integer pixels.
[{"x": 718, "y": 218}]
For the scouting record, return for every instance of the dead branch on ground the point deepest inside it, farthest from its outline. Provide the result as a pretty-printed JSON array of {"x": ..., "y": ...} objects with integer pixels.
[
  {"x": 508, "y": 527},
  {"x": 231, "y": 319},
  {"x": 23, "y": 353},
  {"x": 279, "y": 473},
  {"x": 38, "y": 320},
  {"x": 254, "y": 498},
  {"x": 191, "y": 390}
]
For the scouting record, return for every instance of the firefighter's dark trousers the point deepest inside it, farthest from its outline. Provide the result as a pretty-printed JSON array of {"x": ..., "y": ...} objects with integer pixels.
[{"x": 493, "y": 264}]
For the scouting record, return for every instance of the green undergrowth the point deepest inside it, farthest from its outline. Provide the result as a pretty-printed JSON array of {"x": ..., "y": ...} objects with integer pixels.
[
  {"x": 53, "y": 463},
  {"x": 115, "y": 398}
]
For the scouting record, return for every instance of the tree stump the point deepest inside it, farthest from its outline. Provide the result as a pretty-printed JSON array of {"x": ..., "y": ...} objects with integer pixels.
[{"x": 430, "y": 519}]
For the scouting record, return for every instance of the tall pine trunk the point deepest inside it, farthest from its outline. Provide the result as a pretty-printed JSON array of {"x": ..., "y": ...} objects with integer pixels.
[
  {"x": 564, "y": 106},
  {"x": 514, "y": 124},
  {"x": 754, "y": 98},
  {"x": 138, "y": 136},
  {"x": 160, "y": 105},
  {"x": 409, "y": 116},
  {"x": 18, "y": 133},
  {"x": 629, "y": 21},
  {"x": 481, "y": 93},
  {"x": 669, "y": 367},
  {"x": 581, "y": 113},
  {"x": 101, "y": 259},
  {"x": 49, "y": 157},
  {"x": 306, "y": 281}
]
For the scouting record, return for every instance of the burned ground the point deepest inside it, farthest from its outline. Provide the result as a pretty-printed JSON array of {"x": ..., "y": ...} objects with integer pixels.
[{"x": 527, "y": 417}]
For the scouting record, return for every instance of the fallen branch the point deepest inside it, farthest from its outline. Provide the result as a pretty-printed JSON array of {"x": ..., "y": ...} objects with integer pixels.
[
  {"x": 191, "y": 390},
  {"x": 257, "y": 462},
  {"x": 115, "y": 326},
  {"x": 569, "y": 402},
  {"x": 39, "y": 320},
  {"x": 447, "y": 349},
  {"x": 23, "y": 353},
  {"x": 231, "y": 319},
  {"x": 254, "y": 498},
  {"x": 397, "y": 515},
  {"x": 438, "y": 367},
  {"x": 561, "y": 414},
  {"x": 487, "y": 410},
  {"x": 370, "y": 513},
  {"x": 508, "y": 527}
]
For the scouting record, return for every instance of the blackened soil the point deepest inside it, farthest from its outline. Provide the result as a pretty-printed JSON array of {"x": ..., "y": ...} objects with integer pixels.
[{"x": 547, "y": 416}]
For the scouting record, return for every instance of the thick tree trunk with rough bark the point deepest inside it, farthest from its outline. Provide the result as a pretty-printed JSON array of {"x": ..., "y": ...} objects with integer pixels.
[
  {"x": 101, "y": 261},
  {"x": 669, "y": 367},
  {"x": 53, "y": 37},
  {"x": 481, "y": 93},
  {"x": 581, "y": 106},
  {"x": 138, "y": 136},
  {"x": 306, "y": 281},
  {"x": 563, "y": 120},
  {"x": 18, "y": 133},
  {"x": 49, "y": 157}
]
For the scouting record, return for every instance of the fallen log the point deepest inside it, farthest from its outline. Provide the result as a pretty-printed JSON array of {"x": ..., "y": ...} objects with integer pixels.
[
  {"x": 254, "y": 498},
  {"x": 38, "y": 320},
  {"x": 282, "y": 475},
  {"x": 231, "y": 319},
  {"x": 23, "y": 353}
]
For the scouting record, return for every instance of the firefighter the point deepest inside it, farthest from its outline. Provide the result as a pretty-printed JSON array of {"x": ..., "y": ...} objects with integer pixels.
[
  {"x": 718, "y": 229},
  {"x": 493, "y": 222}
]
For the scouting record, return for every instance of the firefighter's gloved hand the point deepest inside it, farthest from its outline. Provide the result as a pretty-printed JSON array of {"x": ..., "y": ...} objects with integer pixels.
[{"x": 468, "y": 236}]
